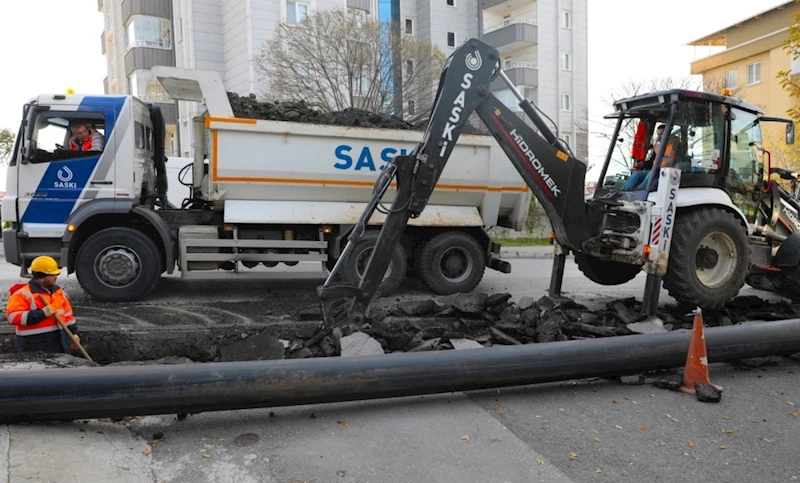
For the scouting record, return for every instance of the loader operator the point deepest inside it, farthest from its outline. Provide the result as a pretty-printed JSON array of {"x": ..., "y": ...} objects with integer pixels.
[
  {"x": 667, "y": 161},
  {"x": 85, "y": 139},
  {"x": 638, "y": 176},
  {"x": 35, "y": 323}
]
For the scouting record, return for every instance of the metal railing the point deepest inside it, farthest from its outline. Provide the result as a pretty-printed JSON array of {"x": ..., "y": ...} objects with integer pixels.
[
  {"x": 509, "y": 22},
  {"x": 520, "y": 65}
]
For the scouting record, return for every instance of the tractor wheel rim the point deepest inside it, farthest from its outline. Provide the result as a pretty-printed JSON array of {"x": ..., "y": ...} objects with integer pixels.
[{"x": 716, "y": 259}]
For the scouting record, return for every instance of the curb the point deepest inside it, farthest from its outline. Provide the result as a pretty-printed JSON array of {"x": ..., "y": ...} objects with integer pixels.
[{"x": 529, "y": 252}]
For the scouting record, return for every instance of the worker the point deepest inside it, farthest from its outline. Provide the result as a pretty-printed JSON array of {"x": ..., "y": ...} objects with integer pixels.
[
  {"x": 637, "y": 177},
  {"x": 35, "y": 323},
  {"x": 667, "y": 161},
  {"x": 84, "y": 138}
]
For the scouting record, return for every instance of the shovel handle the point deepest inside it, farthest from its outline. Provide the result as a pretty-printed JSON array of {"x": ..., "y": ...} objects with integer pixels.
[{"x": 64, "y": 327}]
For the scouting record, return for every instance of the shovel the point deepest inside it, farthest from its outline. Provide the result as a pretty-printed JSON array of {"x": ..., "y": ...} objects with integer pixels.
[{"x": 64, "y": 327}]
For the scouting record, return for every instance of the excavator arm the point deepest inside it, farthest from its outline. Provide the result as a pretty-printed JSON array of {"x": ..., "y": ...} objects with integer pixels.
[{"x": 555, "y": 177}]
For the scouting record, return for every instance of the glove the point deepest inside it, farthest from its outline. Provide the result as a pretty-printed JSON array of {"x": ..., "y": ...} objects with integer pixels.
[
  {"x": 49, "y": 310},
  {"x": 74, "y": 346}
]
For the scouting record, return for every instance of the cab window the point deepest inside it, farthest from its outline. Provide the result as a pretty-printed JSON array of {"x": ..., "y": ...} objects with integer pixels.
[
  {"x": 745, "y": 163},
  {"x": 697, "y": 137},
  {"x": 58, "y": 136}
]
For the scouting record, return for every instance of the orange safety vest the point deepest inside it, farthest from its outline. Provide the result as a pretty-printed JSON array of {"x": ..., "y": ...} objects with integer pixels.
[
  {"x": 25, "y": 298},
  {"x": 86, "y": 146}
]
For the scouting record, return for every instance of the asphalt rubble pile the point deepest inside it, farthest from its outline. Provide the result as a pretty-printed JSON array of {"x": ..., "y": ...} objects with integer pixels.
[
  {"x": 481, "y": 320},
  {"x": 298, "y": 111}
]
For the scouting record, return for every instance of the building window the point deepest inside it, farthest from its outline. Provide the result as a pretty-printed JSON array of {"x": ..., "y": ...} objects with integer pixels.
[
  {"x": 731, "y": 79},
  {"x": 528, "y": 93},
  {"x": 296, "y": 12},
  {"x": 180, "y": 28},
  {"x": 410, "y": 26},
  {"x": 566, "y": 102},
  {"x": 754, "y": 73},
  {"x": 566, "y": 61},
  {"x": 412, "y": 108},
  {"x": 409, "y": 69},
  {"x": 150, "y": 32},
  {"x": 451, "y": 3},
  {"x": 451, "y": 39},
  {"x": 507, "y": 63},
  {"x": 566, "y": 19},
  {"x": 567, "y": 139},
  {"x": 146, "y": 87}
]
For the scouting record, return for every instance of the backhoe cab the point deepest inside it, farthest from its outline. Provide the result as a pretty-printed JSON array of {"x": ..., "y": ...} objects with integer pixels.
[{"x": 692, "y": 221}]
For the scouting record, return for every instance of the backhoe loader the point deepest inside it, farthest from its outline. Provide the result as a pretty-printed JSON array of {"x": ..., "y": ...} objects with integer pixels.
[{"x": 696, "y": 220}]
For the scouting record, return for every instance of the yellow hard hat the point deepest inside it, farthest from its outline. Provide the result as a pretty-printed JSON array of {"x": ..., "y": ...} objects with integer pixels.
[{"x": 46, "y": 265}]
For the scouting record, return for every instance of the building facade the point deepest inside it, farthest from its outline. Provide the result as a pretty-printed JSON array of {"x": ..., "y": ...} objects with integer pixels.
[
  {"x": 746, "y": 57},
  {"x": 138, "y": 35},
  {"x": 544, "y": 50},
  {"x": 543, "y": 44}
]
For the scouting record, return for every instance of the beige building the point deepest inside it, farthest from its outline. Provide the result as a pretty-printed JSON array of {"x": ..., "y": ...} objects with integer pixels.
[{"x": 747, "y": 56}]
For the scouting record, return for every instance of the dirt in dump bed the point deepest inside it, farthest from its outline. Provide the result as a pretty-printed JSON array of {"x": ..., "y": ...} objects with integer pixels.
[{"x": 298, "y": 111}]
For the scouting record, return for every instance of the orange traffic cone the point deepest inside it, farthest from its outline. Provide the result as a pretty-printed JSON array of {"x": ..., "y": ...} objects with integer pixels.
[{"x": 697, "y": 361}]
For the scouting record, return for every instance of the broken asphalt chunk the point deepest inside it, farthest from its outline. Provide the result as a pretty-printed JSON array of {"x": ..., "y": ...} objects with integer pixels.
[
  {"x": 707, "y": 392},
  {"x": 418, "y": 307},
  {"x": 360, "y": 344}
]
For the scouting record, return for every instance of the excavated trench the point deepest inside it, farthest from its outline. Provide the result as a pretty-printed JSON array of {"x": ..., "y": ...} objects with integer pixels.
[{"x": 445, "y": 323}]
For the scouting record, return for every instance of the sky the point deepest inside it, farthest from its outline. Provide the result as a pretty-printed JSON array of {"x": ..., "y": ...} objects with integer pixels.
[{"x": 54, "y": 45}]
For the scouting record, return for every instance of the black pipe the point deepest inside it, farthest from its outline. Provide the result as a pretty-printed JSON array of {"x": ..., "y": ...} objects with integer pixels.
[{"x": 97, "y": 392}]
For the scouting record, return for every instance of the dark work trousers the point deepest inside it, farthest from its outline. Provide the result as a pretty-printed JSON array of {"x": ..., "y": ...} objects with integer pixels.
[{"x": 54, "y": 342}]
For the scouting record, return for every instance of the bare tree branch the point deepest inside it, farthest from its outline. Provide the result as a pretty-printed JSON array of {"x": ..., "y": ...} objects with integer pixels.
[{"x": 338, "y": 59}]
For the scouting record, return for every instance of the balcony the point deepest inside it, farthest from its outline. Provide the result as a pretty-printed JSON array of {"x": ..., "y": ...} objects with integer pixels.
[
  {"x": 503, "y": 6},
  {"x": 512, "y": 34},
  {"x": 359, "y": 4},
  {"x": 521, "y": 74},
  {"x": 155, "y": 8}
]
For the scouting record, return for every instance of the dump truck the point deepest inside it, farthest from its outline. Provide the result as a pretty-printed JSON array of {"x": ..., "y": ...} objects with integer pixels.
[{"x": 256, "y": 198}]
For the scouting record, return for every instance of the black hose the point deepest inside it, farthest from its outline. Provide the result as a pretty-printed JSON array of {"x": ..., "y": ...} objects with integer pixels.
[{"x": 99, "y": 392}]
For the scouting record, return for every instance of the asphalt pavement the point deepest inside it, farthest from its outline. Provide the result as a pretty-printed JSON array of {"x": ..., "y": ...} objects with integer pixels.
[{"x": 584, "y": 430}]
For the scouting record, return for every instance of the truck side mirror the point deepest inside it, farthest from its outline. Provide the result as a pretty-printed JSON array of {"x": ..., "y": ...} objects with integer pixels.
[{"x": 790, "y": 133}]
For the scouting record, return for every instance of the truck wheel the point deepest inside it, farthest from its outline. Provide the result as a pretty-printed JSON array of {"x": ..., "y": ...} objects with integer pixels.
[
  {"x": 606, "y": 272},
  {"x": 356, "y": 262},
  {"x": 451, "y": 262},
  {"x": 708, "y": 259},
  {"x": 118, "y": 265}
]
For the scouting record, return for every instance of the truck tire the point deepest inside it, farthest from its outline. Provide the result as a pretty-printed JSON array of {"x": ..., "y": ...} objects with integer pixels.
[
  {"x": 606, "y": 272},
  {"x": 353, "y": 267},
  {"x": 708, "y": 259},
  {"x": 451, "y": 262},
  {"x": 118, "y": 265}
]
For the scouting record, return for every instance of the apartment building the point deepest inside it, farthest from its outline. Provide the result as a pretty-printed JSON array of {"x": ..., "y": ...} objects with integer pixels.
[
  {"x": 747, "y": 57},
  {"x": 138, "y": 35},
  {"x": 543, "y": 44}
]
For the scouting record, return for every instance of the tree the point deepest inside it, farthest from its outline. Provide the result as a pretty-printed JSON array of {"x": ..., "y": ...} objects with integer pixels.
[
  {"x": 336, "y": 59},
  {"x": 788, "y": 83},
  {"x": 6, "y": 145}
]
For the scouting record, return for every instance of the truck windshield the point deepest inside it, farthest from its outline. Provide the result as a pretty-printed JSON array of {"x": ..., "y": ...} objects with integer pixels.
[{"x": 67, "y": 135}]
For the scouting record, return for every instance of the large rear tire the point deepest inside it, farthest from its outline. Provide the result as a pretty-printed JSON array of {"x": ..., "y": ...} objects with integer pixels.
[
  {"x": 118, "y": 265},
  {"x": 451, "y": 262},
  {"x": 353, "y": 268},
  {"x": 606, "y": 272},
  {"x": 708, "y": 259}
]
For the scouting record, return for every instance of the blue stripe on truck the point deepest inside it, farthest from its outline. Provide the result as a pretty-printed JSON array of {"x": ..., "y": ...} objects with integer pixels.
[{"x": 64, "y": 181}]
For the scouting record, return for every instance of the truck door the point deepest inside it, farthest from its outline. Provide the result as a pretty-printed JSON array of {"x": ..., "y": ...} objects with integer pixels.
[{"x": 69, "y": 162}]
